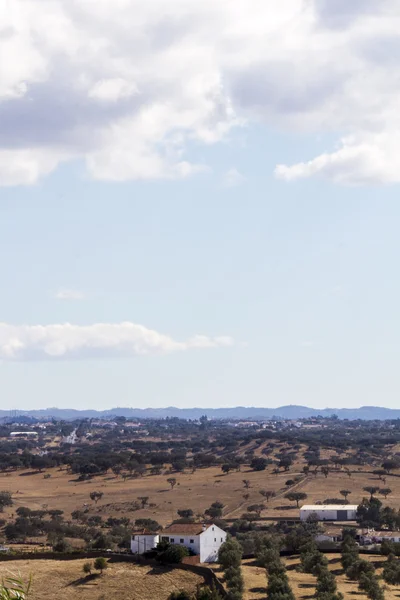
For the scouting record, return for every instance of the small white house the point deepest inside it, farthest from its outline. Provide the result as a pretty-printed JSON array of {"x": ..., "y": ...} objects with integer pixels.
[
  {"x": 370, "y": 536},
  {"x": 332, "y": 535},
  {"x": 329, "y": 512},
  {"x": 204, "y": 540},
  {"x": 143, "y": 541}
]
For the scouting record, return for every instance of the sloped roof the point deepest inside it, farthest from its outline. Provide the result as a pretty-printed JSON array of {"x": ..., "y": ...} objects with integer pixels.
[
  {"x": 185, "y": 529},
  {"x": 318, "y": 507}
]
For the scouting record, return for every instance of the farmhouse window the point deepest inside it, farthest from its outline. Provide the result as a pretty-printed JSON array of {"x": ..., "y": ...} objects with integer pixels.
[
  {"x": 172, "y": 540},
  {"x": 191, "y": 541},
  {"x": 181, "y": 540}
]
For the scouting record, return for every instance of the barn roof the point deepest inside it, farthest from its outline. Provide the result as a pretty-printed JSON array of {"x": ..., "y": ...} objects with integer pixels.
[{"x": 318, "y": 507}]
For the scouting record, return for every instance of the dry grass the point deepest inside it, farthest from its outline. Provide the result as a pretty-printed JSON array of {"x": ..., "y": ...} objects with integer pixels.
[
  {"x": 303, "y": 585},
  {"x": 64, "y": 580},
  {"x": 195, "y": 490}
]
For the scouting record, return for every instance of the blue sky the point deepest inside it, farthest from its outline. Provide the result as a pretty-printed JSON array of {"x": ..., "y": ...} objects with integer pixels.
[{"x": 231, "y": 238}]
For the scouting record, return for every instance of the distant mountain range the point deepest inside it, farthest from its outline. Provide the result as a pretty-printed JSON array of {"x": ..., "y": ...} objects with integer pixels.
[{"x": 238, "y": 412}]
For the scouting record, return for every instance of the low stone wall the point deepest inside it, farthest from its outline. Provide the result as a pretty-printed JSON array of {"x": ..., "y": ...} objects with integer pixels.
[
  {"x": 208, "y": 575},
  {"x": 191, "y": 560}
]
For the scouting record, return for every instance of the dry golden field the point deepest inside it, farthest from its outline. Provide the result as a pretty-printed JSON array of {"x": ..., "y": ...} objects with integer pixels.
[
  {"x": 65, "y": 580},
  {"x": 193, "y": 490}
]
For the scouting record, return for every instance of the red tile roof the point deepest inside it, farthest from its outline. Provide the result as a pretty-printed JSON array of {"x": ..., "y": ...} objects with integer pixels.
[
  {"x": 144, "y": 532},
  {"x": 185, "y": 529}
]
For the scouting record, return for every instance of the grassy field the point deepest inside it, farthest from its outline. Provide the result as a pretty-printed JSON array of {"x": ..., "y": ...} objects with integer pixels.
[
  {"x": 64, "y": 580},
  {"x": 303, "y": 585},
  {"x": 195, "y": 490}
]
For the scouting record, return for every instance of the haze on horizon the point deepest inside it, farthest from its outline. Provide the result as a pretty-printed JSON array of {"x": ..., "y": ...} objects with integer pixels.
[{"x": 199, "y": 203}]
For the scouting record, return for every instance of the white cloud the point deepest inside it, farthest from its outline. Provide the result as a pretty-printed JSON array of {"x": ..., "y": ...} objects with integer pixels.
[
  {"x": 373, "y": 160},
  {"x": 126, "y": 86},
  {"x": 233, "y": 178},
  {"x": 68, "y": 294},
  {"x": 66, "y": 341},
  {"x": 112, "y": 90}
]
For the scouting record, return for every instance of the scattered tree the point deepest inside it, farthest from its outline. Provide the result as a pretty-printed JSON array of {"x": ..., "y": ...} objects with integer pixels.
[
  {"x": 345, "y": 493},
  {"x": 325, "y": 471},
  {"x": 144, "y": 500},
  {"x": 296, "y": 497},
  {"x": 267, "y": 494},
  {"x": 372, "y": 490},
  {"x": 186, "y": 513},
  {"x": 96, "y": 496},
  {"x": 259, "y": 464},
  {"x": 385, "y": 492},
  {"x": 100, "y": 564},
  {"x": 215, "y": 510},
  {"x": 256, "y": 508}
]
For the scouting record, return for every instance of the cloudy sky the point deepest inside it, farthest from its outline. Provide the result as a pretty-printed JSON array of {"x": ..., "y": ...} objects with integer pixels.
[{"x": 199, "y": 203}]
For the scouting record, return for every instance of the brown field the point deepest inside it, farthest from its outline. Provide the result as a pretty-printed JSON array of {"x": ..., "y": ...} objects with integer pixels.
[
  {"x": 193, "y": 490},
  {"x": 303, "y": 585},
  {"x": 64, "y": 580}
]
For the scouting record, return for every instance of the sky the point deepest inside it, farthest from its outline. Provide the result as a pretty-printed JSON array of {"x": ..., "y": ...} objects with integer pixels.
[{"x": 199, "y": 203}]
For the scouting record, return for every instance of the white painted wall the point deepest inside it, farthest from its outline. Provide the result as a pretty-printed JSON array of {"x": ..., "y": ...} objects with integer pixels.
[
  {"x": 210, "y": 542},
  {"x": 326, "y": 515},
  {"x": 142, "y": 543},
  {"x": 189, "y": 541}
]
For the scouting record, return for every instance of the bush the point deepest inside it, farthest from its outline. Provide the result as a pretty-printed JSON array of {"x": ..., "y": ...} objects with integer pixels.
[
  {"x": 100, "y": 564},
  {"x": 62, "y": 545},
  {"x": 230, "y": 554},
  {"x": 5, "y": 500},
  {"x": 326, "y": 583},
  {"x": 172, "y": 553},
  {"x": 148, "y": 525},
  {"x": 234, "y": 579},
  {"x": 391, "y": 571},
  {"x": 215, "y": 510},
  {"x": 312, "y": 561},
  {"x": 358, "y": 567},
  {"x": 182, "y": 595},
  {"x": 259, "y": 464}
]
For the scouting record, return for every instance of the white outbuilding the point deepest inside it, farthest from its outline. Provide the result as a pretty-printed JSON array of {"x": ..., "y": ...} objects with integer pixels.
[
  {"x": 143, "y": 541},
  {"x": 329, "y": 512}
]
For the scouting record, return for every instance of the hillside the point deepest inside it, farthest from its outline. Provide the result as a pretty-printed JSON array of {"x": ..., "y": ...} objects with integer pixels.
[
  {"x": 65, "y": 580},
  {"x": 238, "y": 412}
]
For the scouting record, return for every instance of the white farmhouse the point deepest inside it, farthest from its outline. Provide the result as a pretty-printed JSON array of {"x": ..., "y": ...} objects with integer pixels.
[
  {"x": 202, "y": 539},
  {"x": 329, "y": 512}
]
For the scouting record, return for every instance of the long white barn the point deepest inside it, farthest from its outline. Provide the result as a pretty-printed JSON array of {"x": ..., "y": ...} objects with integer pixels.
[
  {"x": 329, "y": 512},
  {"x": 203, "y": 540}
]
